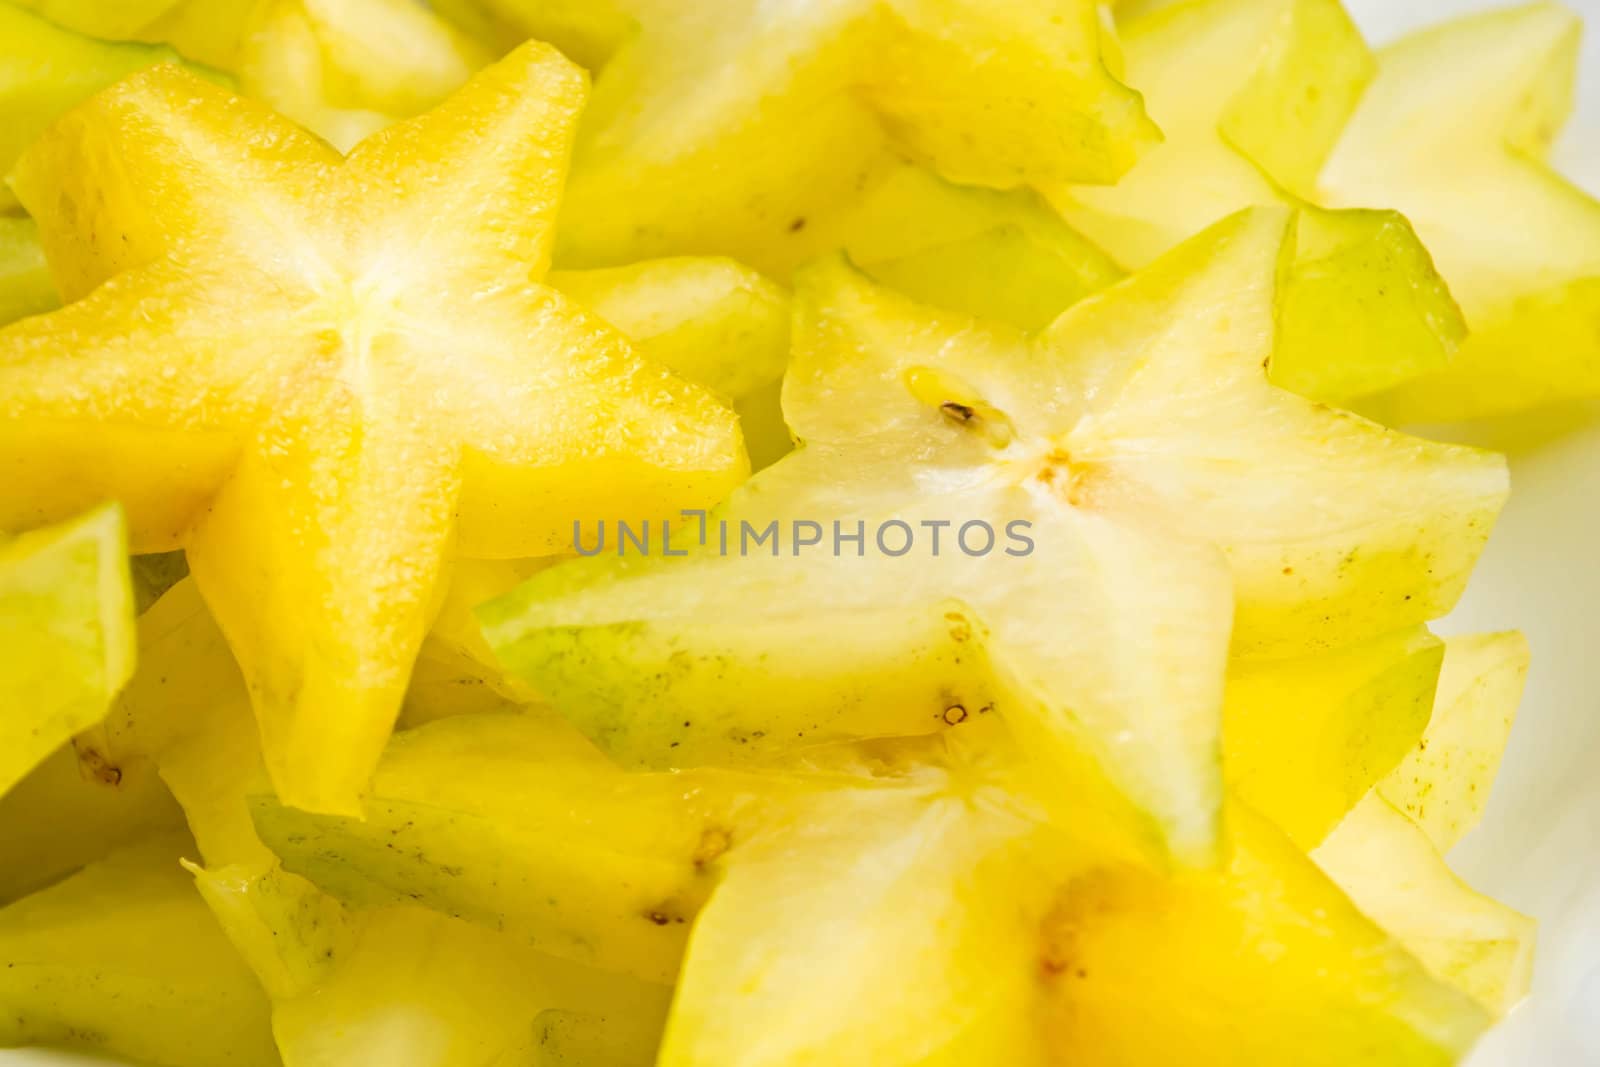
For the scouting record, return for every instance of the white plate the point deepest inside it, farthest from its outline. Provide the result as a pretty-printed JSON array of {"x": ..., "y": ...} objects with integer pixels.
[{"x": 1539, "y": 847}]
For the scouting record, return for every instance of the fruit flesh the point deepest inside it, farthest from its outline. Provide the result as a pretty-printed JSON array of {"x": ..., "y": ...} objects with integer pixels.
[
  {"x": 1460, "y": 116},
  {"x": 1251, "y": 95},
  {"x": 755, "y": 163},
  {"x": 66, "y": 623},
  {"x": 1305, "y": 739},
  {"x": 123, "y": 959},
  {"x": 1176, "y": 403},
  {"x": 311, "y": 439}
]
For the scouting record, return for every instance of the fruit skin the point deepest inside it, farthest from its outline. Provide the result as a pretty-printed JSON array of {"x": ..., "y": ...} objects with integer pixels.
[
  {"x": 1252, "y": 95},
  {"x": 259, "y": 388},
  {"x": 1094, "y": 432},
  {"x": 44, "y": 72},
  {"x": 1462, "y": 115},
  {"x": 1142, "y": 969},
  {"x": 66, "y": 623},
  {"x": 1443, "y": 784},
  {"x": 817, "y": 100},
  {"x": 123, "y": 959},
  {"x": 1305, "y": 739},
  {"x": 25, "y": 284},
  {"x": 1398, "y": 879}
]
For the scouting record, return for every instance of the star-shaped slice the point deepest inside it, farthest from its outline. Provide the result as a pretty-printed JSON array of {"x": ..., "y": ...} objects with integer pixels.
[
  {"x": 1101, "y": 493},
  {"x": 324, "y": 378},
  {"x": 1251, "y": 96},
  {"x": 66, "y": 626},
  {"x": 896, "y": 903},
  {"x": 739, "y": 127},
  {"x": 1454, "y": 132}
]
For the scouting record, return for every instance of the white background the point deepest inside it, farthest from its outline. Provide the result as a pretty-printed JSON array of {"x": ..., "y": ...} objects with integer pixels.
[{"x": 1539, "y": 848}]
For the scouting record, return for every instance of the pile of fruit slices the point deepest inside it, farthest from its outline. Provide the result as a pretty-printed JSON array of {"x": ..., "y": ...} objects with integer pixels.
[{"x": 1059, "y": 689}]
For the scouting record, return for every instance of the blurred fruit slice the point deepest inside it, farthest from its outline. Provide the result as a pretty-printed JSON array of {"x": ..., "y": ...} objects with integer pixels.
[
  {"x": 712, "y": 321},
  {"x": 1146, "y": 969},
  {"x": 1251, "y": 95},
  {"x": 1002, "y": 256},
  {"x": 25, "y": 284},
  {"x": 346, "y": 69},
  {"x": 66, "y": 623},
  {"x": 123, "y": 959},
  {"x": 206, "y": 31},
  {"x": 589, "y": 31},
  {"x": 1304, "y": 739},
  {"x": 1397, "y": 878},
  {"x": 322, "y": 452},
  {"x": 755, "y": 164},
  {"x": 1134, "y": 430},
  {"x": 46, "y": 70},
  {"x": 1443, "y": 784},
  {"x": 1461, "y": 116}
]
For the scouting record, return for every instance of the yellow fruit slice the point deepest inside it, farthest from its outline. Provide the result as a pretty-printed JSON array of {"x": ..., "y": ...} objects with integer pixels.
[
  {"x": 1251, "y": 95},
  {"x": 46, "y": 70},
  {"x": 590, "y": 31},
  {"x": 1264, "y": 961},
  {"x": 712, "y": 321},
  {"x": 25, "y": 284},
  {"x": 1461, "y": 116},
  {"x": 348, "y": 68},
  {"x": 753, "y": 163},
  {"x": 918, "y": 884},
  {"x": 611, "y": 882},
  {"x": 1004, "y": 256},
  {"x": 403, "y": 985},
  {"x": 320, "y": 430},
  {"x": 1397, "y": 878},
  {"x": 1135, "y": 430},
  {"x": 66, "y": 624},
  {"x": 206, "y": 31},
  {"x": 72, "y": 810},
  {"x": 1304, "y": 739},
  {"x": 1443, "y": 784},
  {"x": 123, "y": 959}
]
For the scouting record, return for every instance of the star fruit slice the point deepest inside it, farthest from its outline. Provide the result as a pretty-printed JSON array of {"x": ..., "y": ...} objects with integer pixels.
[
  {"x": 1443, "y": 784},
  {"x": 346, "y": 69},
  {"x": 46, "y": 70},
  {"x": 25, "y": 284},
  {"x": 425, "y": 989},
  {"x": 123, "y": 959},
  {"x": 66, "y": 624},
  {"x": 1397, "y": 878},
  {"x": 814, "y": 100},
  {"x": 1462, "y": 116},
  {"x": 1134, "y": 434},
  {"x": 324, "y": 378},
  {"x": 920, "y": 875},
  {"x": 1251, "y": 95},
  {"x": 1305, "y": 738}
]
